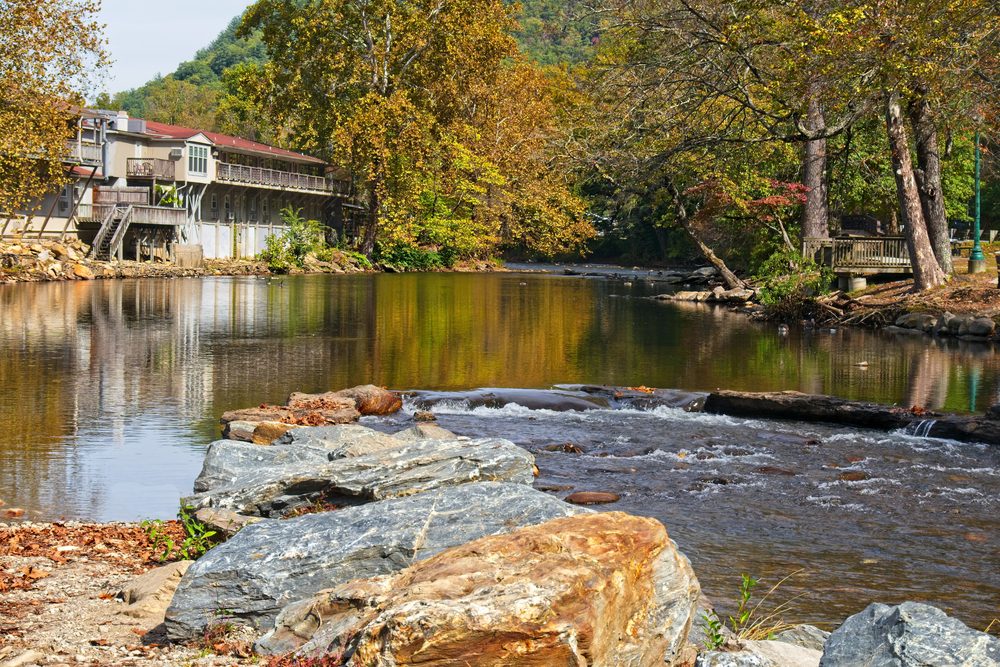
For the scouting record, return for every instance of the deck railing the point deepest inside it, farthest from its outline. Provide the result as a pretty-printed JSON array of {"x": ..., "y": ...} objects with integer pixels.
[
  {"x": 93, "y": 212},
  {"x": 885, "y": 254},
  {"x": 149, "y": 167},
  {"x": 158, "y": 215},
  {"x": 139, "y": 196},
  {"x": 86, "y": 153},
  {"x": 235, "y": 173}
]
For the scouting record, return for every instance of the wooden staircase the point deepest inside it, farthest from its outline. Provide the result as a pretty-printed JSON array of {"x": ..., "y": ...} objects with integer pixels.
[{"x": 109, "y": 238}]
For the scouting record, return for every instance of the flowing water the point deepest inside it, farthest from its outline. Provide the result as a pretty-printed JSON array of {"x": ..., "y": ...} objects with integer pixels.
[{"x": 110, "y": 392}]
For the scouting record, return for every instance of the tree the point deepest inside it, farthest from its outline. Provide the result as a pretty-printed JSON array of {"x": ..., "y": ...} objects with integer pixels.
[
  {"x": 395, "y": 93},
  {"x": 50, "y": 50},
  {"x": 181, "y": 103}
]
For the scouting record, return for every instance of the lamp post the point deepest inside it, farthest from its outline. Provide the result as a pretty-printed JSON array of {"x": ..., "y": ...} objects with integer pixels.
[{"x": 977, "y": 261}]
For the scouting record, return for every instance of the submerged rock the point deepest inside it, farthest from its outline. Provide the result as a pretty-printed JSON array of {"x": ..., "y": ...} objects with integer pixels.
[
  {"x": 267, "y": 565},
  {"x": 391, "y": 473},
  {"x": 592, "y": 498},
  {"x": 594, "y": 589},
  {"x": 908, "y": 635}
]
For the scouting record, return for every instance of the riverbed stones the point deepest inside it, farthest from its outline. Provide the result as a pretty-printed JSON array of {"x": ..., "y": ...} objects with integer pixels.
[
  {"x": 82, "y": 272},
  {"x": 592, "y": 498},
  {"x": 941, "y": 327},
  {"x": 908, "y": 635},
  {"x": 267, "y": 565},
  {"x": 391, "y": 473},
  {"x": 982, "y": 326},
  {"x": 423, "y": 416},
  {"x": 592, "y": 589}
]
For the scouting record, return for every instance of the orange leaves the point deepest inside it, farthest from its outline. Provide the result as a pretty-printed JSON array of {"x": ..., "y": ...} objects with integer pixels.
[{"x": 33, "y": 574}]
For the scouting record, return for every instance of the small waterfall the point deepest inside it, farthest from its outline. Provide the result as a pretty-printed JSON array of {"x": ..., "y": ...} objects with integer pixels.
[{"x": 920, "y": 429}]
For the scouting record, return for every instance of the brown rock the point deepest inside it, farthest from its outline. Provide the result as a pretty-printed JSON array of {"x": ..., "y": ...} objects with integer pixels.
[
  {"x": 267, "y": 432},
  {"x": 82, "y": 272},
  {"x": 592, "y": 498},
  {"x": 423, "y": 416},
  {"x": 321, "y": 410},
  {"x": 372, "y": 400},
  {"x": 60, "y": 251},
  {"x": 11, "y": 513},
  {"x": 108, "y": 272},
  {"x": 592, "y": 589},
  {"x": 149, "y": 595}
]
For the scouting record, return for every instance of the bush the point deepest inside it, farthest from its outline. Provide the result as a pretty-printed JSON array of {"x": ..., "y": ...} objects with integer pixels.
[
  {"x": 300, "y": 237},
  {"x": 417, "y": 259},
  {"x": 780, "y": 284}
]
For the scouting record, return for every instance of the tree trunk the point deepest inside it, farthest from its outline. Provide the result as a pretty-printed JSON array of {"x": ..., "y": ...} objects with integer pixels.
[
  {"x": 728, "y": 277},
  {"x": 816, "y": 212},
  {"x": 926, "y": 271},
  {"x": 371, "y": 225},
  {"x": 929, "y": 180}
]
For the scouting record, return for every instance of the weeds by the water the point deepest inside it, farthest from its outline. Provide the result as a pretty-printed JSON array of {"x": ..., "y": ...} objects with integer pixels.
[
  {"x": 749, "y": 622},
  {"x": 996, "y": 622},
  {"x": 195, "y": 545}
]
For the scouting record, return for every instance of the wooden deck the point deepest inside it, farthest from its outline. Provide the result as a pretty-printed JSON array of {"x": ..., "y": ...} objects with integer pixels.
[{"x": 853, "y": 255}]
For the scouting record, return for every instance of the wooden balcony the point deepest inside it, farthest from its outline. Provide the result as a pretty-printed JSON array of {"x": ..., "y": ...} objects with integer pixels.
[
  {"x": 82, "y": 153},
  {"x": 280, "y": 180},
  {"x": 886, "y": 254},
  {"x": 149, "y": 167}
]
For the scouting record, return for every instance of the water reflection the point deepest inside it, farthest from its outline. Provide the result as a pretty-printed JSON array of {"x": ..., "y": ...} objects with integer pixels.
[{"x": 109, "y": 391}]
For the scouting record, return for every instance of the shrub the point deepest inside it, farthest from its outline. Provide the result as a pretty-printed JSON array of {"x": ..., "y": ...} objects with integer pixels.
[
  {"x": 289, "y": 248},
  {"x": 780, "y": 282}
]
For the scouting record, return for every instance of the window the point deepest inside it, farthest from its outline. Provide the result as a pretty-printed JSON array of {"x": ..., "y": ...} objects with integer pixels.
[{"x": 198, "y": 159}]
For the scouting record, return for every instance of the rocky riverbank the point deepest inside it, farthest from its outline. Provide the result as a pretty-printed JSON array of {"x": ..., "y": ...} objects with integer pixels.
[
  {"x": 47, "y": 260},
  {"x": 345, "y": 545}
]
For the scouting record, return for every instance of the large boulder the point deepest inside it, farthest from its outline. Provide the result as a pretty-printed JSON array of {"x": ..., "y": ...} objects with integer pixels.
[
  {"x": 809, "y": 407},
  {"x": 982, "y": 326},
  {"x": 595, "y": 589},
  {"x": 908, "y": 635},
  {"x": 391, "y": 473},
  {"x": 269, "y": 564},
  {"x": 918, "y": 321}
]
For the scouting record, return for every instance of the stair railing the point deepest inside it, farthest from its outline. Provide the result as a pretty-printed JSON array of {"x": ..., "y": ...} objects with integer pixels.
[
  {"x": 119, "y": 236},
  {"x": 103, "y": 232}
]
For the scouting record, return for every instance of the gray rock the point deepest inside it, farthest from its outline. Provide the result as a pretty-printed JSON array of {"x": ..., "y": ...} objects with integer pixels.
[
  {"x": 941, "y": 328},
  {"x": 343, "y": 440},
  {"x": 239, "y": 430},
  {"x": 391, "y": 473},
  {"x": 732, "y": 659},
  {"x": 424, "y": 432},
  {"x": 982, "y": 326},
  {"x": 272, "y": 563},
  {"x": 806, "y": 636},
  {"x": 917, "y": 321},
  {"x": 698, "y": 634},
  {"x": 959, "y": 325},
  {"x": 908, "y": 635},
  {"x": 229, "y": 460},
  {"x": 785, "y": 655},
  {"x": 223, "y": 522}
]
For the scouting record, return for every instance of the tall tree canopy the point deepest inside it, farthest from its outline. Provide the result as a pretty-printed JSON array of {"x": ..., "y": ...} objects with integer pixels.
[
  {"x": 415, "y": 99},
  {"x": 49, "y": 51}
]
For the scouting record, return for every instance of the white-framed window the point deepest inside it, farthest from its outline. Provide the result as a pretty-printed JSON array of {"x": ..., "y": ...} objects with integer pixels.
[
  {"x": 215, "y": 202},
  {"x": 198, "y": 159}
]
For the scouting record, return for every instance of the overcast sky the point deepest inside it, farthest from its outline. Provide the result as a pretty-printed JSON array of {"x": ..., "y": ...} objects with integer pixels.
[{"x": 149, "y": 37}]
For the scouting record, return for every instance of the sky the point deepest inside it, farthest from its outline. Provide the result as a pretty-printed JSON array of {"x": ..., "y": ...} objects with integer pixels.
[{"x": 149, "y": 37}]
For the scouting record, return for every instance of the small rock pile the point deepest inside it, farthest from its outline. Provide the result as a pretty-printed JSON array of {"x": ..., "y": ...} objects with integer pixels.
[{"x": 966, "y": 327}]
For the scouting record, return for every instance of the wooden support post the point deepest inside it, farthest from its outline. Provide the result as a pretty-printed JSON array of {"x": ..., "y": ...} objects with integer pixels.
[{"x": 76, "y": 204}]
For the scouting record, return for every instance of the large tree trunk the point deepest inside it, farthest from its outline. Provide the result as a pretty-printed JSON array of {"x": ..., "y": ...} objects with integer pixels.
[
  {"x": 728, "y": 277},
  {"x": 926, "y": 271},
  {"x": 929, "y": 179},
  {"x": 371, "y": 224},
  {"x": 816, "y": 212}
]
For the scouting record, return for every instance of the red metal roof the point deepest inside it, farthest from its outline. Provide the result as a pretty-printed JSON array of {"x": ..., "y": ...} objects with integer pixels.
[{"x": 224, "y": 141}]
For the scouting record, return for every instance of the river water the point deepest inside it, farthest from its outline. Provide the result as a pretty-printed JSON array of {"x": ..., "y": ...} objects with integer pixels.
[{"x": 111, "y": 390}]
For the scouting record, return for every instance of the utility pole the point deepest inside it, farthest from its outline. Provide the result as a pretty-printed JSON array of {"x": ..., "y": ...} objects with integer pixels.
[{"x": 977, "y": 261}]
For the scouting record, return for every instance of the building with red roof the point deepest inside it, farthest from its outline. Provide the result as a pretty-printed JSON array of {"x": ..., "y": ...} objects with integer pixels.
[{"x": 143, "y": 190}]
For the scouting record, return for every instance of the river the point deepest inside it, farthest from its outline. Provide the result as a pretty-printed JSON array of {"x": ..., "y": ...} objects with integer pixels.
[{"x": 111, "y": 390}]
